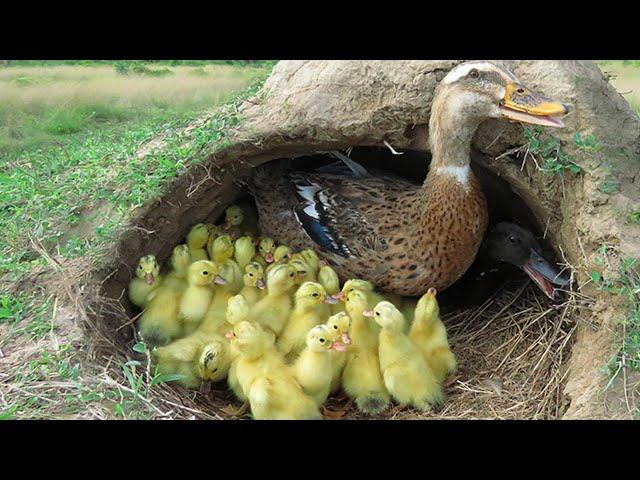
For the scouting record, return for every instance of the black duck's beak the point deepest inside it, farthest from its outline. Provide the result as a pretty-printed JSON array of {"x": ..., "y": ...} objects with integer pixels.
[
  {"x": 544, "y": 275},
  {"x": 524, "y": 105}
]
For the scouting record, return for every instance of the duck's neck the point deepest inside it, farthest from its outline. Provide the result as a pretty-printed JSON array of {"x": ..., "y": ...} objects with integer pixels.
[{"x": 452, "y": 125}]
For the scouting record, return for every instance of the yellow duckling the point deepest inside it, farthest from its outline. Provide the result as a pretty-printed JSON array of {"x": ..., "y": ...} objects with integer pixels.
[
  {"x": 338, "y": 326},
  {"x": 221, "y": 249},
  {"x": 328, "y": 278},
  {"x": 265, "y": 379},
  {"x": 233, "y": 219},
  {"x": 197, "y": 241},
  {"x": 180, "y": 261},
  {"x": 228, "y": 283},
  {"x": 406, "y": 374},
  {"x": 254, "y": 286},
  {"x": 305, "y": 272},
  {"x": 361, "y": 378},
  {"x": 367, "y": 287},
  {"x": 282, "y": 254},
  {"x": 197, "y": 297},
  {"x": 313, "y": 368},
  {"x": 311, "y": 259},
  {"x": 430, "y": 335},
  {"x": 266, "y": 247},
  {"x": 197, "y": 357},
  {"x": 244, "y": 251},
  {"x": 159, "y": 323},
  {"x": 311, "y": 309},
  {"x": 273, "y": 311},
  {"x": 146, "y": 280}
]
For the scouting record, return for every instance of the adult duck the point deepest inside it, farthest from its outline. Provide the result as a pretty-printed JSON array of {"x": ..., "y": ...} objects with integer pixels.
[{"x": 401, "y": 236}]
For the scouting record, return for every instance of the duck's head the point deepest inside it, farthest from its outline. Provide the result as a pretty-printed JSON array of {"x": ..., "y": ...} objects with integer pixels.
[
  {"x": 510, "y": 243},
  {"x": 339, "y": 326},
  {"x": 266, "y": 247},
  {"x": 282, "y": 254},
  {"x": 281, "y": 278},
  {"x": 248, "y": 338},
  {"x": 357, "y": 303},
  {"x": 480, "y": 90},
  {"x": 212, "y": 360},
  {"x": 222, "y": 249},
  {"x": 233, "y": 216},
  {"x": 319, "y": 339},
  {"x": 148, "y": 269},
  {"x": 202, "y": 273},
  {"x": 181, "y": 258},
  {"x": 310, "y": 257},
  {"x": 354, "y": 284},
  {"x": 254, "y": 275},
  {"x": 328, "y": 278},
  {"x": 244, "y": 247},
  {"x": 237, "y": 309},
  {"x": 301, "y": 266},
  {"x": 312, "y": 294},
  {"x": 229, "y": 275},
  {"x": 198, "y": 236},
  {"x": 388, "y": 316},
  {"x": 427, "y": 306}
]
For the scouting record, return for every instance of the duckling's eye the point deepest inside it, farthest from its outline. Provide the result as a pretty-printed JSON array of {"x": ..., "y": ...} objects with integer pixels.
[
  {"x": 321, "y": 340},
  {"x": 335, "y": 327},
  {"x": 520, "y": 90},
  {"x": 315, "y": 294},
  {"x": 205, "y": 273},
  {"x": 291, "y": 274},
  {"x": 251, "y": 274},
  {"x": 474, "y": 73},
  {"x": 378, "y": 314},
  {"x": 140, "y": 267}
]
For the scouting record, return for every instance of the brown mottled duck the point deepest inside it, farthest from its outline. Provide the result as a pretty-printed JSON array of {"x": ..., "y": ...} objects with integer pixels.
[{"x": 404, "y": 237}]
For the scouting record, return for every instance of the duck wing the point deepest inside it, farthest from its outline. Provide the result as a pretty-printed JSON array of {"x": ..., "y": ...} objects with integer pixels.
[{"x": 338, "y": 212}]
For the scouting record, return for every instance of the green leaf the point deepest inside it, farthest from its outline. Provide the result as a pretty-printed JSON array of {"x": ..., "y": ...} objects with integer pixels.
[
  {"x": 169, "y": 377},
  {"x": 596, "y": 277},
  {"x": 140, "y": 347}
]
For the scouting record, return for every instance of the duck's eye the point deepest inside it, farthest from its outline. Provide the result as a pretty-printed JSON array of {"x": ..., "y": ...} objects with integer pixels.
[
  {"x": 520, "y": 90},
  {"x": 474, "y": 73},
  {"x": 205, "y": 273},
  {"x": 315, "y": 294},
  {"x": 335, "y": 327},
  {"x": 140, "y": 267},
  {"x": 378, "y": 314},
  {"x": 251, "y": 274},
  {"x": 512, "y": 239},
  {"x": 321, "y": 340},
  {"x": 291, "y": 274}
]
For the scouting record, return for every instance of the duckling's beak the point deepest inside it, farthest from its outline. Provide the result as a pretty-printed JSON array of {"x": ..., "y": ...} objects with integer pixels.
[
  {"x": 229, "y": 335},
  {"x": 322, "y": 263},
  {"x": 338, "y": 347},
  {"x": 338, "y": 296},
  {"x": 330, "y": 300},
  {"x": 368, "y": 313},
  {"x": 260, "y": 284},
  {"x": 346, "y": 339},
  {"x": 525, "y": 105},
  {"x": 269, "y": 257},
  {"x": 149, "y": 278},
  {"x": 544, "y": 275},
  {"x": 219, "y": 280}
]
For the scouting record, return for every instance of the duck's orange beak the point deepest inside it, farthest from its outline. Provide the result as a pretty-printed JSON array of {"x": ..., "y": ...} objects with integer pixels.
[{"x": 525, "y": 105}]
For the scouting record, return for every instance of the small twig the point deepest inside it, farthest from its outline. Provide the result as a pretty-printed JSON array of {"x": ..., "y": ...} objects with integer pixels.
[{"x": 388, "y": 145}]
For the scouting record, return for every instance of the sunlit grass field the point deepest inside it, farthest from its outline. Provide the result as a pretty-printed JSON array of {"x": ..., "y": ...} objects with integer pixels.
[{"x": 43, "y": 104}]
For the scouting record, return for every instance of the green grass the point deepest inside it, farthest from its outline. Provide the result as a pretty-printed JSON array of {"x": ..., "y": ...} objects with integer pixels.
[{"x": 72, "y": 181}]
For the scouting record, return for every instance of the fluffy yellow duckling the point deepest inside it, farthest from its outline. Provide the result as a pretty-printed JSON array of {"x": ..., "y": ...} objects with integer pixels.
[
  {"x": 282, "y": 254},
  {"x": 159, "y": 323},
  {"x": 305, "y": 273},
  {"x": 361, "y": 377},
  {"x": 273, "y": 311},
  {"x": 221, "y": 249},
  {"x": 244, "y": 251},
  {"x": 429, "y": 333},
  {"x": 197, "y": 357},
  {"x": 311, "y": 308},
  {"x": 180, "y": 261},
  {"x": 338, "y": 326},
  {"x": 265, "y": 379},
  {"x": 228, "y": 283},
  {"x": 406, "y": 374},
  {"x": 233, "y": 219},
  {"x": 367, "y": 287},
  {"x": 197, "y": 297},
  {"x": 313, "y": 368},
  {"x": 328, "y": 278},
  {"x": 147, "y": 279},
  {"x": 197, "y": 241},
  {"x": 254, "y": 286},
  {"x": 266, "y": 247},
  {"x": 311, "y": 259}
]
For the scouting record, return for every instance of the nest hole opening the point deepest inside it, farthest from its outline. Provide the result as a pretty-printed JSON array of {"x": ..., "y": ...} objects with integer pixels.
[{"x": 512, "y": 344}]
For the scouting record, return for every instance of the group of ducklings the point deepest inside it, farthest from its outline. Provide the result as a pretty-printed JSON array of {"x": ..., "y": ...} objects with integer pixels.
[{"x": 279, "y": 328}]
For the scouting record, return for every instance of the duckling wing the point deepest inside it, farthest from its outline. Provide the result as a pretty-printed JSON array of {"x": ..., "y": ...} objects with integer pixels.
[{"x": 336, "y": 212}]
